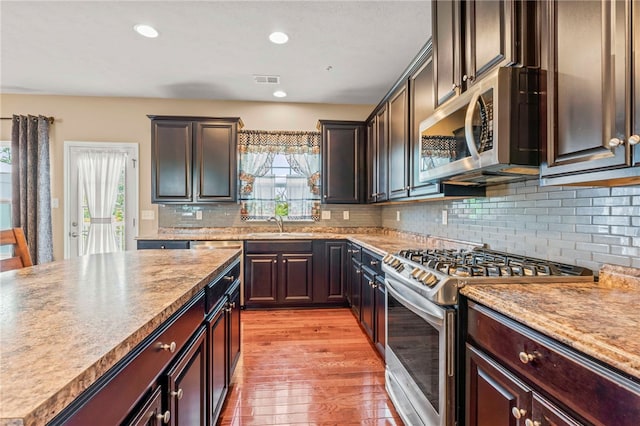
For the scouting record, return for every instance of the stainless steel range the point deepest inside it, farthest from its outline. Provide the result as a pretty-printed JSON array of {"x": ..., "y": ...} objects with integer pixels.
[{"x": 422, "y": 296}]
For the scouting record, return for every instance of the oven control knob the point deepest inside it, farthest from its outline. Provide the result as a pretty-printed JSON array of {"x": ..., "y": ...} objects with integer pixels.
[
  {"x": 387, "y": 259},
  {"x": 429, "y": 280},
  {"x": 415, "y": 273}
]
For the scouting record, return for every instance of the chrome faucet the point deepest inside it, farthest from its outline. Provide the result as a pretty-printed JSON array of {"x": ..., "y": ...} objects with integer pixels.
[{"x": 278, "y": 220}]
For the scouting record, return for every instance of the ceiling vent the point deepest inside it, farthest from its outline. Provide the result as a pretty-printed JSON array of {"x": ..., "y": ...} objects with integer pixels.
[{"x": 267, "y": 79}]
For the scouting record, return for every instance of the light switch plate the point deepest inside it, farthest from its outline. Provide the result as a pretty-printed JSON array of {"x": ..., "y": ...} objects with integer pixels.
[
  {"x": 325, "y": 215},
  {"x": 55, "y": 203},
  {"x": 345, "y": 215},
  {"x": 445, "y": 218},
  {"x": 397, "y": 216},
  {"x": 198, "y": 214}
]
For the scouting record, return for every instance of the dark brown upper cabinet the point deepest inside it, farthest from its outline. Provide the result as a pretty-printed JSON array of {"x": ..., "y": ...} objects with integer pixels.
[
  {"x": 343, "y": 179},
  {"x": 593, "y": 92},
  {"x": 490, "y": 36},
  {"x": 446, "y": 48},
  {"x": 421, "y": 106},
  {"x": 469, "y": 39},
  {"x": 193, "y": 159},
  {"x": 377, "y": 156},
  {"x": 398, "y": 143}
]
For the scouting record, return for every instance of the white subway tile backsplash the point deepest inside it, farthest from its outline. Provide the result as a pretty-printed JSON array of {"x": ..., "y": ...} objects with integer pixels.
[{"x": 584, "y": 226}]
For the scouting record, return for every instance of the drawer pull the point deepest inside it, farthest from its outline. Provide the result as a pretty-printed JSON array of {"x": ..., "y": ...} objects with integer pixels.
[
  {"x": 178, "y": 394},
  {"x": 229, "y": 278},
  {"x": 526, "y": 358},
  {"x": 167, "y": 347},
  {"x": 373, "y": 262},
  {"x": 530, "y": 422},
  {"x": 518, "y": 412},
  {"x": 164, "y": 418}
]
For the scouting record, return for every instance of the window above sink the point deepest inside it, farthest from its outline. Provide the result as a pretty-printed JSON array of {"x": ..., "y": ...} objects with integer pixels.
[{"x": 279, "y": 175}]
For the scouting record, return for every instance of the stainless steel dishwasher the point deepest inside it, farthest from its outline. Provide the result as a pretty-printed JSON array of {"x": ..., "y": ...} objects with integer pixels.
[{"x": 213, "y": 244}]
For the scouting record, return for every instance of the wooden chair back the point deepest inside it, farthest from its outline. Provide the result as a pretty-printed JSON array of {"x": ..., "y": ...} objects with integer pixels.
[{"x": 21, "y": 257}]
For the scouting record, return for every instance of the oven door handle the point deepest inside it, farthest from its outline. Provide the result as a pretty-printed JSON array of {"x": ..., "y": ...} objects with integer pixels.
[{"x": 429, "y": 311}]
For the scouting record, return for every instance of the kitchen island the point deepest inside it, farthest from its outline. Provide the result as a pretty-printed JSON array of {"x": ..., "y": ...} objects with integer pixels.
[{"x": 64, "y": 324}]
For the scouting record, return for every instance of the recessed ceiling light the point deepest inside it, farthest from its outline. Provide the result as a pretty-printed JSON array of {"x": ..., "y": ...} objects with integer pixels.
[
  {"x": 278, "y": 37},
  {"x": 146, "y": 30},
  {"x": 279, "y": 93}
]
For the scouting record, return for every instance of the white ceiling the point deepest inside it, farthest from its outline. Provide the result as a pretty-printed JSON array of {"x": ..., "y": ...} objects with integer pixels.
[{"x": 210, "y": 49}]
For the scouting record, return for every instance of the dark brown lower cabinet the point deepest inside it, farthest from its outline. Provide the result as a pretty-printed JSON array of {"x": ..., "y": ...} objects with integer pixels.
[
  {"x": 218, "y": 347},
  {"x": 187, "y": 385},
  {"x": 330, "y": 272},
  {"x": 380, "y": 328},
  {"x": 234, "y": 329},
  {"x": 295, "y": 284},
  {"x": 496, "y": 397},
  {"x": 150, "y": 412},
  {"x": 356, "y": 288},
  {"x": 367, "y": 313},
  {"x": 261, "y": 279},
  {"x": 372, "y": 298},
  {"x": 516, "y": 376},
  {"x": 493, "y": 393}
]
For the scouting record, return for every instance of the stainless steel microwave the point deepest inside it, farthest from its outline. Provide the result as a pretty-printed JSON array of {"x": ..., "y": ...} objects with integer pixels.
[{"x": 488, "y": 135}]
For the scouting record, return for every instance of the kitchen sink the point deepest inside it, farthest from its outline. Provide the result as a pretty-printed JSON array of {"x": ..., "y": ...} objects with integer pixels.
[{"x": 280, "y": 234}]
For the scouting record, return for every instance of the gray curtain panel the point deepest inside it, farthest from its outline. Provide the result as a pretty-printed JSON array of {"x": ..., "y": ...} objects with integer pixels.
[{"x": 31, "y": 184}]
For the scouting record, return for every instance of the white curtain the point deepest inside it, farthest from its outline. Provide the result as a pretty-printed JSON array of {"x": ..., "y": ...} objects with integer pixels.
[
  {"x": 265, "y": 191},
  {"x": 298, "y": 195},
  {"x": 99, "y": 173},
  {"x": 308, "y": 165},
  {"x": 253, "y": 165}
]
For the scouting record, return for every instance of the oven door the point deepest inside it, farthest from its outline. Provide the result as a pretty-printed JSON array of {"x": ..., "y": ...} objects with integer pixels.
[{"x": 419, "y": 357}]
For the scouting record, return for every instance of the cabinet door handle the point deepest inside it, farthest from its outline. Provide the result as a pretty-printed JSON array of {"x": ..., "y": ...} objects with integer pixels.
[
  {"x": 178, "y": 394},
  {"x": 373, "y": 262},
  {"x": 164, "y": 417},
  {"x": 530, "y": 422},
  {"x": 171, "y": 347},
  {"x": 634, "y": 139},
  {"x": 526, "y": 358},
  {"x": 162, "y": 247},
  {"x": 518, "y": 412},
  {"x": 275, "y": 261},
  {"x": 467, "y": 78},
  {"x": 284, "y": 260},
  {"x": 229, "y": 278},
  {"x": 614, "y": 142},
  {"x": 358, "y": 271}
]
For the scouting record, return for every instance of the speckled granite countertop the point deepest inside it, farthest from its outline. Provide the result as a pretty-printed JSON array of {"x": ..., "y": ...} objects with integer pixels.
[
  {"x": 375, "y": 239},
  {"x": 63, "y": 324},
  {"x": 600, "y": 319}
]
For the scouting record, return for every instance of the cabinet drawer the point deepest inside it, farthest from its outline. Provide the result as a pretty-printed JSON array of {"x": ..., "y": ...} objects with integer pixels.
[
  {"x": 162, "y": 244},
  {"x": 220, "y": 285},
  {"x": 298, "y": 246},
  {"x": 372, "y": 261},
  {"x": 594, "y": 392},
  {"x": 123, "y": 385}
]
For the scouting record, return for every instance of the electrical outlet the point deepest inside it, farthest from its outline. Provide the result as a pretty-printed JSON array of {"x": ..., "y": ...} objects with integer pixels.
[
  {"x": 444, "y": 217},
  {"x": 54, "y": 203},
  {"x": 345, "y": 215},
  {"x": 325, "y": 215},
  {"x": 198, "y": 214},
  {"x": 397, "y": 216},
  {"x": 147, "y": 214}
]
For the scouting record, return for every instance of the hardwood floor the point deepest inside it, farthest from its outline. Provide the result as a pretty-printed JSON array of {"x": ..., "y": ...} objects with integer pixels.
[{"x": 307, "y": 367}]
